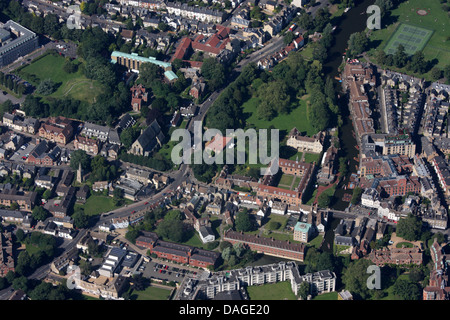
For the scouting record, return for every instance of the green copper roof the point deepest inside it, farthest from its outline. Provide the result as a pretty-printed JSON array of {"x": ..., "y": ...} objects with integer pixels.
[{"x": 135, "y": 56}]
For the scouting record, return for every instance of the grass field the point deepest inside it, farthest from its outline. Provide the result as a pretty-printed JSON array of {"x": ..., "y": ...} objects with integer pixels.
[
  {"x": 152, "y": 293},
  {"x": 282, "y": 220},
  {"x": 405, "y": 244},
  {"x": 436, "y": 19},
  {"x": 284, "y": 122},
  {"x": 327, "y": 296},
  {"x": 275, "y": 291},
  {"x": 286, "y": 180},
  {"x": 72, "y": 85},
  {"x": 411, "y": 37},
  {"x": 311, "y": 157},
  {"x": 98, "y": 204}
]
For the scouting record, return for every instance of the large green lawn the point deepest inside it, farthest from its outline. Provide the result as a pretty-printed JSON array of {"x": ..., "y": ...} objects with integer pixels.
[
  {"x": 273, "y": 291},
  {"x": 298, "y": 118},
  {"x": 71, "y": 85},
  {"x": 97, "y": 204},
  {"x": 437, "y": 47},
  {"x": 151, "y": 293},
  {"x": 327, "y": 296}
]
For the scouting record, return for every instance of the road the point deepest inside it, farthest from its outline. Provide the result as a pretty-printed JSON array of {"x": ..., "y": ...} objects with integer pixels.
[{"x": 276, "y": 43}]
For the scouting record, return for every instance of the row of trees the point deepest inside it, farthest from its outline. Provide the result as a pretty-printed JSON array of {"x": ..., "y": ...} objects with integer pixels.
[
  {"x": 400, "y": 59},
  {"x": 12, "y": 84},
  {"x": 37, "y": 290}
]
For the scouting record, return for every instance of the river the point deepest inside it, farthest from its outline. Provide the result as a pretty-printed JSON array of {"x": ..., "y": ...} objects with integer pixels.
[{"x": 352, "y": 21}]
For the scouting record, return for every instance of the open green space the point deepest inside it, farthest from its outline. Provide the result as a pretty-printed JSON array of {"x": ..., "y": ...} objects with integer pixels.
[
  {"x": 297, "y": 181},
  {"x": 406, "y": 14},
  {"x": 273, "y": 291},
  {"x": 152, "y": 293},
  {"x": 327, "y": 296},
  {"x": 279, "y": 236},
  {"x": 71, "y": 85},
  {"x": 316, "y": 242},
  {"x": 286, "y": 180},
  {"x": 97, "y": 204},
  {"x": 298, "y": 118},
  {"x": 405, "y": 244},
  {"x": 282, "y": 220},
  {"x": 311, "y": 157}
]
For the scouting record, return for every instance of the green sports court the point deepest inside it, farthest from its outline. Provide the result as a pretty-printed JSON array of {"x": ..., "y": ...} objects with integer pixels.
[{"x": 411, "y": 37}]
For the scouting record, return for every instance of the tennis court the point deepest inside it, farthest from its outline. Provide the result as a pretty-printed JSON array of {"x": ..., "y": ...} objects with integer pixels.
[{"x": 411, "y": 37}]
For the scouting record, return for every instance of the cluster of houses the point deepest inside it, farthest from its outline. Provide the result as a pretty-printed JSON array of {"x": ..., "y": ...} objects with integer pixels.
[
  {"x": 401, "y": 113},
  {"x": 277, "y": 57},
  {"x": 396, "y": 176},
  {"x": 357, "y": 235},
  {"x": 57, "y": 137}
]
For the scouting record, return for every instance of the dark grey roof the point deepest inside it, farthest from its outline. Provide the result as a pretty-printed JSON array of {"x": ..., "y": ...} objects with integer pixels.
[{"x": 148, "y": 138}]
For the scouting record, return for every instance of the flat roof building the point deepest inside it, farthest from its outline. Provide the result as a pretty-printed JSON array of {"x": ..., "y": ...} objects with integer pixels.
[{"x": 16, "y": 41}]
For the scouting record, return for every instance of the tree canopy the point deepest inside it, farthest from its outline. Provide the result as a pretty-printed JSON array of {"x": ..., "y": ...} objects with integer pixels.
[{"x": 409, "y": 228}]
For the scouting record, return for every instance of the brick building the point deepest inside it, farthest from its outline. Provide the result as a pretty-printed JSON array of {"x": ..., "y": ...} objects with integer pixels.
[
  {"x": 89, "y": 145},
  {"x": 139, "y": 95},
  {"x": 278, "y": 248},
  {"x": 437, "y": 288},
  {"x": 59, "y": 130},
  {"x": 177, "y": 252}
]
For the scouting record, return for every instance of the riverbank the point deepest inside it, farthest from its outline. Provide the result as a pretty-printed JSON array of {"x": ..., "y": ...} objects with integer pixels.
[{"x": 351, "y": 21}]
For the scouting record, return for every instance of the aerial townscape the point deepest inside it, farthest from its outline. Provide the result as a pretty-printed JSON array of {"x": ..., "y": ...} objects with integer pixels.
[{"x": 93, "y": 205}]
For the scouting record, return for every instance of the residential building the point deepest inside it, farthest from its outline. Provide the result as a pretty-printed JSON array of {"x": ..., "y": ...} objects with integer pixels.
[
  {"x": 86, "y": 144},
  {"x": 95, "y": 131},
  {"x": 224, "y": 283},
  {"x": 401, "y": 144},
  {"x": 59, "y": 130},
  {"x": 42, "y": 155},
  {"x": 437, "y": 288},
  {"x": 25, "y": 200},
  {"x": 195, "y": 13},
  {"x": 442, "y": 170}
]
